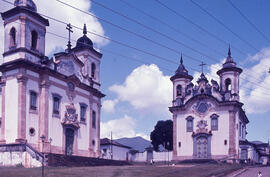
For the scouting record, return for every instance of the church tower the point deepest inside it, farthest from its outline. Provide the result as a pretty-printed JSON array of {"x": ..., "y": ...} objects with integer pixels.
[
  {"x": 49, "y": 105},
  {"x": 181, "y": 80},
  {"x": 229, "y": 79},
  {"x": 24, "y": 32}
]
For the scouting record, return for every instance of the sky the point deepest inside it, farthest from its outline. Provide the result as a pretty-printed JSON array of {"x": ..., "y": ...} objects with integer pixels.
[{"x": 141, "y": 46}]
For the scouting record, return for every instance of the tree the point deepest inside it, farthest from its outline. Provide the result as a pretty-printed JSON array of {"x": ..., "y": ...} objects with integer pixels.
[{"x": 162, "y": 135}]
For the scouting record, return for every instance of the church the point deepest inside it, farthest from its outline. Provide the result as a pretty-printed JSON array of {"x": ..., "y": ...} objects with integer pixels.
[
  {"x": 51, "y": 105},
  {"x": 208, "y": 119}
]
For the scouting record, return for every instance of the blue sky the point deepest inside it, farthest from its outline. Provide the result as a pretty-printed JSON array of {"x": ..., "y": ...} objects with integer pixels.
[{"x": 138, "y": 93}]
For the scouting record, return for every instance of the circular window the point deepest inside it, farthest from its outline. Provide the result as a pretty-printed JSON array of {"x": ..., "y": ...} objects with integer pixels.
[
  {"x": 202, "y": 107},
  {"x": 32, "y": 132}
]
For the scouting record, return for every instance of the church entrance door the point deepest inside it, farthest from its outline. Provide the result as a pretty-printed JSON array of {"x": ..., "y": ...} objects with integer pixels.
[
  {"x": 69, "y": 141},
  {"x": 202, "y": 147}
]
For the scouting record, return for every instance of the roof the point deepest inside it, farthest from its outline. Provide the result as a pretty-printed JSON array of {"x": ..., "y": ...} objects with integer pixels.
[
  {"x": 106, "y": 141},
  {"x": 22, "y": 9},
  {"x": 229, "y": 65},
  {"x": 181, "y": 72}
]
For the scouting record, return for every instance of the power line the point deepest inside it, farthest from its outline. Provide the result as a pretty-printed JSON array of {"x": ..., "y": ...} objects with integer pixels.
[
  {"x": 251, "y": 24},
  {"x": 169, "y": 26},
  {"x": 151, "y": 29},
  {"x": 225, "y": 26},
  {"x": 199, "y": 27},
  {"x": 126, "y": 45}
]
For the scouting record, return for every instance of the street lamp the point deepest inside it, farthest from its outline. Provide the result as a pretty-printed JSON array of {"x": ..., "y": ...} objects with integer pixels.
[
  {"x": 42, "y": 140},
  {"x": 50, "y": 140}
]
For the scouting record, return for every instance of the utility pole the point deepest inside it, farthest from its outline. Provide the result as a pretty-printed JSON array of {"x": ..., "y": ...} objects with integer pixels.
[{"x": 111, "y": 147}]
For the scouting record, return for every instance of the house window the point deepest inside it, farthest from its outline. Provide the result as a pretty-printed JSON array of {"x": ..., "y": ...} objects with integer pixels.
[
  {"x": 34, "y": 38},
  {"x": 56, "y": 103},
  {"x": 83, "y": 108},
  {"x": 33, "y": 100},
  {"x": 214, "y": 122},
  {"x": 94, "y": 119},
  {"x": 93, "y": 70},
  {"x": 12, "y": 34},
  {"x": 228, "y": 84},
  {"x": 179, "y": 90},
  {"x": 189, "y": 124}
]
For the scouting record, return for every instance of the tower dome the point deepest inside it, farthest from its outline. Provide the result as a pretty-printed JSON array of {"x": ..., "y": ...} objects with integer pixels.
[
  {"x": 181, "y": 71},
  {"x": 29, "y": 4},
  {"x": 84, "y": 41}
]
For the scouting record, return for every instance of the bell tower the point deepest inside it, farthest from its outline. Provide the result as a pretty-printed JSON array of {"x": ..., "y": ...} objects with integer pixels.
[
  {"x": 24, "y": 32},
  {"x": 229, "y": 79},
  {"x": 181, "y": 80}
]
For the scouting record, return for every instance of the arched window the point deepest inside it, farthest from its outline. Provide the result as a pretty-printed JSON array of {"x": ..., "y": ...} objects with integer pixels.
[
  {"x": 214, "y": 122},
  {"x": 178, "y": 90},
  {"x": 189, "y": 125},
  {"x": 228, "y": 84},
  {"x": 34, "y": 38},
  {"x": 93, "y": 70},
  {"x": 12, "y": 34}
]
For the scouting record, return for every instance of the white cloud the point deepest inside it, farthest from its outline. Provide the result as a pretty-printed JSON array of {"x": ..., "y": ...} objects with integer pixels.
[
  {"x": 146, "y": 89},
  {"x": 122, "y": 127},
  {"x": 212, "y": 74},
  {"x": 64, "y": 13},
  {"x": 255, "y": 84},
  {"x": 109, "y": 105}
]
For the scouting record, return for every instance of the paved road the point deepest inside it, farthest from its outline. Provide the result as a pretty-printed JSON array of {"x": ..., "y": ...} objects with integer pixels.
[{"x": 253, "y": 172}]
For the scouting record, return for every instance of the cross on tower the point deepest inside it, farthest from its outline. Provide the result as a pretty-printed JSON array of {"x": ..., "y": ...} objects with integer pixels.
[
  {"x": 202, "y": 65},
  {"x": 69, "y": 27}
]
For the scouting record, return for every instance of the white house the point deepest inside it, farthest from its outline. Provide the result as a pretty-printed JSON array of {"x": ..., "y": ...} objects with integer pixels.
[
  {"x": 59, "y": 99},
  {"x": 113, "y": 150}
]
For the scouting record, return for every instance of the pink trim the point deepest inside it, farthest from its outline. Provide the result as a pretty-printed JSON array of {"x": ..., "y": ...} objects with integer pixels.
[
  {"x": 174, "y": 136},
  {"x": 22, "y": 80},
  {"x": 232, "y": 134},
  {"x": 44, "y": 109},
  {"x": 2, "y": 134}
]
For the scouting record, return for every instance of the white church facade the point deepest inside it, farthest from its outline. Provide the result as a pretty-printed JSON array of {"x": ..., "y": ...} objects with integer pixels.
[
  {"x": 208, "y": 119},
  {"x": 58, "y": 99}
]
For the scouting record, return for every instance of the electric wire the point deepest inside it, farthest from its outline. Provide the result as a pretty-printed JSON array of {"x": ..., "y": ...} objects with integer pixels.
[
  {"x": 145, "y": 52},
  {"x": 199, "y": 27},
  {"x": 225, "y": 26},
  {"x": 171, "y": 27},
  {"x": 249, "y": 21}
]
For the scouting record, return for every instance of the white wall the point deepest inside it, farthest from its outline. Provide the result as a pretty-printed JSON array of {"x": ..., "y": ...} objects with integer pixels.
[
  {"x": 32, "y": 117},
  {"x": 119, "y": 153},
  {"x": 11, "y": 110},
  {"x": 217, "y": 139}
]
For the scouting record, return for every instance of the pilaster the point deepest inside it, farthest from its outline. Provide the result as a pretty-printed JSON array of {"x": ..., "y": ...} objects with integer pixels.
[
  {"x": 2, "y": 133},
  {"x": 22, "y": 80},
  {"x": 90, "y": 147},
  {"x": 98, "y": 131},
  {"x": 44, "y": 111},
  {"x": 174, "y": 136},
  {"x": 232, "y": 134}
]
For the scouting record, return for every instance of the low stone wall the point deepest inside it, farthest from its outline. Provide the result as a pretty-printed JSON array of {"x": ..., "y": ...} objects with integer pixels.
[
  {"x": 19, "y": 155},
  {"x": 77, "y": 161}
]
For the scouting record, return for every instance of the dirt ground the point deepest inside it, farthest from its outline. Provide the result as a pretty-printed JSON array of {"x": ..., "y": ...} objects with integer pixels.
[{"x": 188, "y": 170}]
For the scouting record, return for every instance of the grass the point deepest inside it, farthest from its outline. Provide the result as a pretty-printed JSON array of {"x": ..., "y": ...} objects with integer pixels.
[{"x": 202, "y": 170}]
